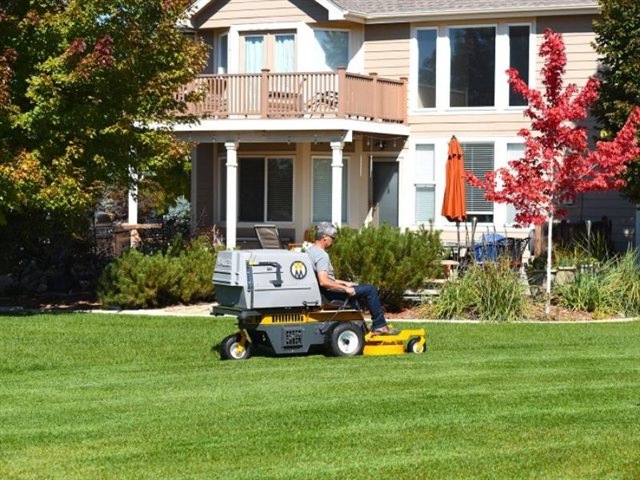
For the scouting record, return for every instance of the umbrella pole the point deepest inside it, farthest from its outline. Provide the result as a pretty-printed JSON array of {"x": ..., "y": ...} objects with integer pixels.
[
  {"x": 474, "y": 223},
  {"x": 458, "y": 231}
]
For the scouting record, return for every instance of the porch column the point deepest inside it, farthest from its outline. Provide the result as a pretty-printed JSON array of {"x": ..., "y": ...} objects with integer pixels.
[
  {"x": 232, "y": 197},
  {"x": 336, "y": 182},
  {"x": 133, "y": 205}
]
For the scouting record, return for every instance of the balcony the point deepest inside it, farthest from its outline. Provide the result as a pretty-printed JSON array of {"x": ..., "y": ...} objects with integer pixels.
[{"x": 268, "y": 95}]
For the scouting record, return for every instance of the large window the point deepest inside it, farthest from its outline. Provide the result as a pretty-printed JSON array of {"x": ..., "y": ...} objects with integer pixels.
[
  {"x": 427, "y": 68},
  {"x": 473, "y": 63},
  {"x": 463, "y": 66},
  {"x": 334, "y": 45},
  {"x": 518, "y": 58},
  {"x": 265, "y": 190},
  {"x": 424, "y": 175},
  {"x": 322, "y": 189},
  {"x": 478, "y": 159}
]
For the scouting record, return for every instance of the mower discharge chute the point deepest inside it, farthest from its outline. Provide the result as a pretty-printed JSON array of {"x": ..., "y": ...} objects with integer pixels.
[{"x": 276, "y": 298}]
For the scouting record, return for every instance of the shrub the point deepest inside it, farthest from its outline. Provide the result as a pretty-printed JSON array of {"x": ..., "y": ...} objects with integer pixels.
[
  {"x": 586, "y": 293},
  {"x": 388, "y": 258},
  {"x": 612, "y": 288},
  {"x": 490, "y": 292},
  {"x": 136, "y": 280},
  {"x": 622, "y": 280}
]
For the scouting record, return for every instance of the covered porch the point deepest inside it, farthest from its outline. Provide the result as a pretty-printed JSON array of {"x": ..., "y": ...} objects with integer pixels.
[{"x": 290, "y": 173}]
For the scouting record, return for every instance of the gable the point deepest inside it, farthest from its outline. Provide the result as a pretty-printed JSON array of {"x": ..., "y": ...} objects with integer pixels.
[{"x": 224, "y": 13}]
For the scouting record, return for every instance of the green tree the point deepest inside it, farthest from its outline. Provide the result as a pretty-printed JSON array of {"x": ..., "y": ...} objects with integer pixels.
[
  {"x": 618, "y": 44},
  {"x": 84, "y": 85}
]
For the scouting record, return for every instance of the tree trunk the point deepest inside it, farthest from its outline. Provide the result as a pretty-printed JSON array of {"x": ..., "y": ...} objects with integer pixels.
[{"x": 547, "y": 306}]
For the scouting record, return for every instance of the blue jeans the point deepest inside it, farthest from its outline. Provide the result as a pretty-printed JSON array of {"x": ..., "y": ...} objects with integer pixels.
[{"x": 366, "y": 293}]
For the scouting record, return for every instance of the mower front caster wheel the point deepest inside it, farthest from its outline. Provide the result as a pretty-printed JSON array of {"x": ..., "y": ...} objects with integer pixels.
[
  {"x": 413, "y": 346},
  {"x": 347, "y": 340},
  {"x": 231, "y": 348}
]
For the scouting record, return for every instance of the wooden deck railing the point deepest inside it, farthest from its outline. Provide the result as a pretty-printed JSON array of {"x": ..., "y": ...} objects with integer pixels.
[{"x": 299, "y": 95}]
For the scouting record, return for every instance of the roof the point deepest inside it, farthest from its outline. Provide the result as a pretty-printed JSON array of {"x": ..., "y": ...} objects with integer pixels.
[
  {"x": 421, "y": 7},
  {"x": 400, "y": 10}
]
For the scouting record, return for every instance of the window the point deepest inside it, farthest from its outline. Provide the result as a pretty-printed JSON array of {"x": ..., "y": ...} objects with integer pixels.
[
  {"x": 265, "y": 190},
  {"x": 473, "y": 64},
  {"x": 463, "y": 66},
  {"x": 322, "y": 189},
  {"x": 478, "y": 159},
  {"x": 223, "y": 59},
  {"x": 515, "y": 151},
  {"x": 427, "y": 68},
  {"x": 273, "y": 51},
  {"x": 425, "y": 184},
  {"x": 519, "y": 59},
  {"x": 334, "y": 44}
]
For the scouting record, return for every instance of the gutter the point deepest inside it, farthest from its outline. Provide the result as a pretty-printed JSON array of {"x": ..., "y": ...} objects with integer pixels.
[{"x": 517, "y": 12}]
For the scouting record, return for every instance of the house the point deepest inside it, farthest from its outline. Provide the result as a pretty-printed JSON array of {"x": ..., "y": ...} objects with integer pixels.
[{"x": 342, "y": 110}]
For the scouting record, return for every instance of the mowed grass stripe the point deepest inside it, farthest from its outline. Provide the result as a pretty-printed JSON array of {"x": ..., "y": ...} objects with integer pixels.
[{"x": 96, "y": 396}]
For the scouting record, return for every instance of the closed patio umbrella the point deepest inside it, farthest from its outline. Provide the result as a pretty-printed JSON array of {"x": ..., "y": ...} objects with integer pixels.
[{"x": 454, "y": 207}]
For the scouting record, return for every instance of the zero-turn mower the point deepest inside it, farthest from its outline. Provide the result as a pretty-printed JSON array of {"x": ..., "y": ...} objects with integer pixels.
[{"x": 276, "y": 298}]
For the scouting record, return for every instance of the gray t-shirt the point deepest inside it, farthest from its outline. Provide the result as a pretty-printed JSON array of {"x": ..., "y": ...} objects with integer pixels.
[{"x": 320, "y": 260}]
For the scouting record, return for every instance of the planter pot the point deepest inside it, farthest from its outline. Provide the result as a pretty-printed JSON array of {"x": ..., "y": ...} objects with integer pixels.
[
  {"x": 559, "y": 276},
  {"x": 564, "y": 275}
]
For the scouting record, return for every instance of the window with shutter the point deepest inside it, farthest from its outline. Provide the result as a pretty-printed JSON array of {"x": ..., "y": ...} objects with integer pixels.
[
  {"x": 322, "y": 189},
  {"x": 478, "y": 159},
  {"x": 515, "y": 151},
  {"x": 425, "y": 195}
]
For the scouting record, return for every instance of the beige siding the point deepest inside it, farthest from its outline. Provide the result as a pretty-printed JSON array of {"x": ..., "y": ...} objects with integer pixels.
[
  {"x": 225, "y": 13},
  {"x": 468, "y": 124},
  {"x": 386, "y": 50},
  {"x": 578, "y": 35}
]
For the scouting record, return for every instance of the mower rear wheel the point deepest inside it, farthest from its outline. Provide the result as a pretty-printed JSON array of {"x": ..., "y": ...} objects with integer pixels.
[
  {"x": 231, "y": 349},
  {"x": 413, "y": 346},
  {"x": 347, "y": 340}
]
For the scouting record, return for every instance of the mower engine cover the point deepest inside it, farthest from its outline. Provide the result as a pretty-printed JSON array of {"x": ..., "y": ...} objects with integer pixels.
[{"x": 265, "y": 279}]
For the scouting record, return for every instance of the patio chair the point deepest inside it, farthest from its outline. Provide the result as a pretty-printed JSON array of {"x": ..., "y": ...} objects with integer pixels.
[{"x": 268, "y": 236}]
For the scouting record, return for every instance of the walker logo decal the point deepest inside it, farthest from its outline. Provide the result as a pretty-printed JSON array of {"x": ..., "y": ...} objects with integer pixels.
[{"x": 298, "y": 270}]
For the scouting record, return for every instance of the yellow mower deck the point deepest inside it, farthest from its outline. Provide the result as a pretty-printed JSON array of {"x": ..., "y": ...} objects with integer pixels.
[{"x": 395, "y": 344}]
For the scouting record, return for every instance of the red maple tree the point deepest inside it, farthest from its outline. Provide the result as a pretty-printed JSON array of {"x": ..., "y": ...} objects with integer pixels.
[{"x": 558, "y": 162}]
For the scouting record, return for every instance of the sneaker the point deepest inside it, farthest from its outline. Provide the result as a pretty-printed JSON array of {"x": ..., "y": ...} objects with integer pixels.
[{"x": 386, "y": 330}]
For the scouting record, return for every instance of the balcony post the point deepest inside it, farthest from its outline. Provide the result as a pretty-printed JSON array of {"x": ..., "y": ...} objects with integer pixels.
[
  {"x": 375, "y": 96},
  {"x": 232, "y": 189},
  {"x": 336, "y": 182},
  {"x": 404, "y": 105},
  {"x": 264, "y": 93},
  {"x": 342, "y": 92}
]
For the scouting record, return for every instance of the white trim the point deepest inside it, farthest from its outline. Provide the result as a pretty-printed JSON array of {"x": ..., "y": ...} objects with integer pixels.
[
  {"x": 327, "y": 126},
  {"x": 335, "y": 12},
  {"x": 484, "y": 14}
]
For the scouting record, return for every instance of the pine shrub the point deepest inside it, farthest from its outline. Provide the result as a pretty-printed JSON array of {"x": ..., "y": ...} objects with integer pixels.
[
  {"x": 181, "y": 275},
  {"x": 390, "y": 259}
]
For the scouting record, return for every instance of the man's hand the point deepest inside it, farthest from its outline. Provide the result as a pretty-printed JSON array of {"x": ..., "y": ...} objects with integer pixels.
[{"x": 350, "y": 291}]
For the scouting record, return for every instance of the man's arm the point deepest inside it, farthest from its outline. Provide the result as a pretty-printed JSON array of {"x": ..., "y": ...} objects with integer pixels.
[{"x": 336, "y": 285}]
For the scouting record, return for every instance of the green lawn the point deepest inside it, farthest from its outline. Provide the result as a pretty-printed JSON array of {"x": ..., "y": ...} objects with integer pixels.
[{"x": 100, "y": 396}]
